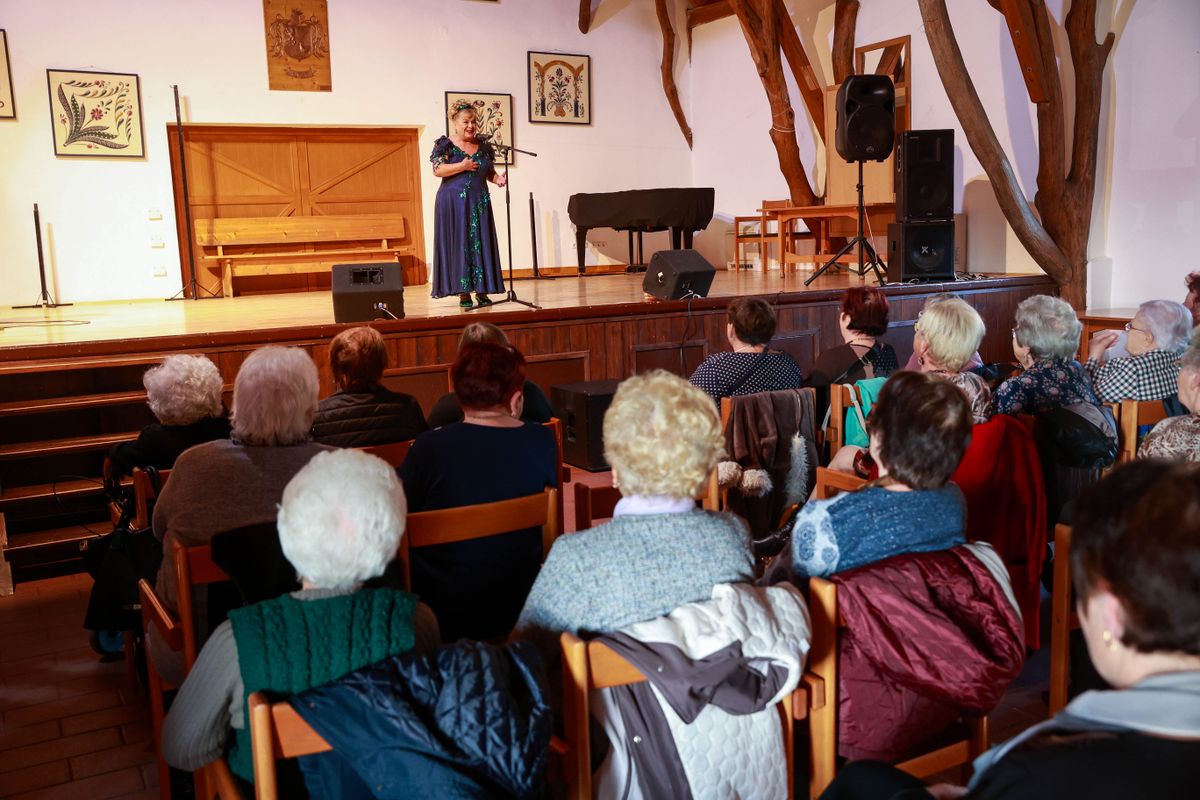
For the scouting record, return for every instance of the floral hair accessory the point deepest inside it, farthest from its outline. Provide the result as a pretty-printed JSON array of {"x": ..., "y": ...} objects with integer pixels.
[{"x": 462, "y": 105}]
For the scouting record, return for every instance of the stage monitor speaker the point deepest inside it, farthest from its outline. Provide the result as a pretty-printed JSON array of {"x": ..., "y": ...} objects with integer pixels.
[
  {"x": 581, "y": 408},
  {"x": 925, "y": 176},
  {"x": 676, "y": 274},
  {"x": 922, "y": 251},
  {"x": 365, "y": 292},
  {"x": 866, "y": 118}
]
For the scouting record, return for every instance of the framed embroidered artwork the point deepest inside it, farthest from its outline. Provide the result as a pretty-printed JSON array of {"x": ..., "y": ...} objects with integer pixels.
[
  {"x": 298, "y": 57},
  {"x": 493, "y": 118},
  {"x": 97, "y": 114},
  {"x": 8, "y": 108},
  {"x": 560, "y": 88}
]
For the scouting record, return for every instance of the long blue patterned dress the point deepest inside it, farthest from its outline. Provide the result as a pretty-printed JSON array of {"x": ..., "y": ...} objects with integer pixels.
[{"x": 466, "y": 257}]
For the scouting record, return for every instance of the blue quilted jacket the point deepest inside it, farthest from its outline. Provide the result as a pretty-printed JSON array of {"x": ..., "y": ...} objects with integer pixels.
[{"x": 474, "y": 720}]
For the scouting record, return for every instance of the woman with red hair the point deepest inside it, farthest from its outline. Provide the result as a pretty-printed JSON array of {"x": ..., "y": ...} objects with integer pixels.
[
  {"x": 477, "y": 588},
  {"x": 863, "y": 320}
]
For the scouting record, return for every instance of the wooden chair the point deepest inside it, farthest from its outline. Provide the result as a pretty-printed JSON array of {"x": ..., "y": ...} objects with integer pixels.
[
  {"x": 593, "y": 665},
  {"x": 193, "y": 567},
  {"x": 562, "y": 471},
  {"x": 1063, "y": 620},
  {"x": 277, "y": 732},
  {"x": 832, "y": 481},
  {"x": 393, "y": 453},
  {"x": 822, "y": 679},
  {"x": 1132, "y": 415},
  {"x": 430, "y": 528},
  {"x": 593, "y": 503},
  {"x": 841, "y": 398},
  {"x": 143, "y": 492}
]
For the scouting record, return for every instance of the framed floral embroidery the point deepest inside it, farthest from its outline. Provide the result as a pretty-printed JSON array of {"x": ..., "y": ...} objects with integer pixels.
[
  {"x": 493, "y": 118},
  {"x": 96, "y": 114},
  {"x": 560, "y": 88}
]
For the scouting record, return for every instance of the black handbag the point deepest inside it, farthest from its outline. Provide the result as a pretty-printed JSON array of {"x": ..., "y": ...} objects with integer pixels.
[{"x": 1083, "y": 435}]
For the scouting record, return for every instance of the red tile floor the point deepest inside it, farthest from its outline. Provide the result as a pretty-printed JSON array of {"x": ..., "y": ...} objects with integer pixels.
[{"x": 70, "y": 726}]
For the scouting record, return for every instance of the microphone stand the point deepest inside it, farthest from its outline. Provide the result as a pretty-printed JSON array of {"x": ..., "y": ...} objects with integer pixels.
[
  {"x": 511, "y": 297},
  {"x": 45, "y": 300}
]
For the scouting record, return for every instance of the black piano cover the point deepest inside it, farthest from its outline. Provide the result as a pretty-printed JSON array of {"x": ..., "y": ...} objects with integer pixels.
[{"x": 643, "y": 209}]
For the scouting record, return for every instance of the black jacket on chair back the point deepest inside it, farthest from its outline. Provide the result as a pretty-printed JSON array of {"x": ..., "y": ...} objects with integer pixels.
[{"x": 362, "y": 419}]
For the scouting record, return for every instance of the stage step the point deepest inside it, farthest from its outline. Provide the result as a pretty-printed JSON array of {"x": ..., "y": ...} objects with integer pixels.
[
  {"x": 75, "y": 444},
  {"x": 73, "y": 403},
  {"x": 48, "y": 491},
  {"x": 21, "y": 543}
]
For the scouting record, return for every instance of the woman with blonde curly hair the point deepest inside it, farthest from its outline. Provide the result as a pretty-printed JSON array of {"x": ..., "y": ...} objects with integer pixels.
[
  {"x": 184, "y": 392},
  {"x": 662, "y": 437}
]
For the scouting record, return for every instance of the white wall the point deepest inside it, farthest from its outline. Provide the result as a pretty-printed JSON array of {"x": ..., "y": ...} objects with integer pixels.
[
  {"x": 392, "y": 61},
  {"x": 1148, "y": 194}
]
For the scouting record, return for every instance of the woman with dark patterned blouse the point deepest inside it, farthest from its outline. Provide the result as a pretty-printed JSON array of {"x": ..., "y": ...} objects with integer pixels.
[
  {"x": 750, "y": 368},
  {"x": 466, "y": 257},
  {"x": 1044, "y": 341}
]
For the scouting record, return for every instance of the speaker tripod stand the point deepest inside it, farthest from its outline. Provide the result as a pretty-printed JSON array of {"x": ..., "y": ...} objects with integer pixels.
[
  {"x": 874, "y": 263},
  {"x": 511, "y": 297}
]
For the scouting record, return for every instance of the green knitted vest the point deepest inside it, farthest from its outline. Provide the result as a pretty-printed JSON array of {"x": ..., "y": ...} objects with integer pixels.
[{"x": 287, "y": 645}]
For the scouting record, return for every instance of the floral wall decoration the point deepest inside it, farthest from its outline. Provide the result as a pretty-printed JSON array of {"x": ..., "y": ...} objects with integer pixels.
[
  {"x": 96, "y": 114},
  {"x": 560, "y": 88},
  {"x": 8, "y": 109},
  {"x": 493, "y": 115}
]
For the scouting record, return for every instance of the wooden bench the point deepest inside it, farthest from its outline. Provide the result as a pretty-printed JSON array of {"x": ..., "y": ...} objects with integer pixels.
[{"x": 290, "y": 245}]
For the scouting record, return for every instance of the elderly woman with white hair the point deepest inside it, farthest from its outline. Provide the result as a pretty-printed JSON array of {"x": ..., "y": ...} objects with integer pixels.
[
  {"x": 236, "y": 482},
  {"x": 1045, "y": 338},
  {"x": 946, "y": 338},
  {"x": 340, "y": 523},
  {"x": 184, "y": 392},
  {"x": 1156, "y": 336},
  {"x": 1179, "y": 437},
  {"x": 662, "y": 437}
]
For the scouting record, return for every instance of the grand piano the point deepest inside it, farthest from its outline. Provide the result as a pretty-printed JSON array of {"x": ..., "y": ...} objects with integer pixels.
[{"x": 683, "y": 211}]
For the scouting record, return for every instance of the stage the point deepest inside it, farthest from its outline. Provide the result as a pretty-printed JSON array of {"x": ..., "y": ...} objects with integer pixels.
[{"x": 139, "y": 326}]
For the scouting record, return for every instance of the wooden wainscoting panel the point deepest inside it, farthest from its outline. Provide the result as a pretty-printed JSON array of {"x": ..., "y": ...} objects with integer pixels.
[
  {"x": 668, "y": 356},
  {"x": 800, "y": 345}
]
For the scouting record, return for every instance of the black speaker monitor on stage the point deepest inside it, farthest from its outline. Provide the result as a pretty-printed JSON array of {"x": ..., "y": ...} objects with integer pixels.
[
  {"x": 925, "y": 176},
  {"x": 866, "y": 118},
  {"x": 365, "y": 292},
  {"x": 676, "y": 274},
  {"x": 922, "y": 251}
]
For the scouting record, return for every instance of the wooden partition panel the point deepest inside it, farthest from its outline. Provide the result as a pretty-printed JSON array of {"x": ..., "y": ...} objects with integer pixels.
[
  {"x": 237, "y": 171},
  {"x": 680, "y": 359}
]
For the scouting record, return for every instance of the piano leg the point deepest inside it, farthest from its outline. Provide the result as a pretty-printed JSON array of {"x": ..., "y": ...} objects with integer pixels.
[
  {"x": 580, "y": 246},
  {"x": 632, "y": 264},
  {"x": 675, "y": 232},
  {"x": 687, "y": 239}
]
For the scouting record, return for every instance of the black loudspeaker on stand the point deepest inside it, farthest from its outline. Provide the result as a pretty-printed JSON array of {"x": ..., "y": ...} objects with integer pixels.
[
  {"x": 921, "y": 241},
  {"x": 511, "y": 297},
  {"x": 866, "y": 131},
  {"x": 44, "y": 299}
]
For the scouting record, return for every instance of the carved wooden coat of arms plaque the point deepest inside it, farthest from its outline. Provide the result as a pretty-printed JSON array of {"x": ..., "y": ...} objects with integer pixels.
[{"x": 298, "y": 45}]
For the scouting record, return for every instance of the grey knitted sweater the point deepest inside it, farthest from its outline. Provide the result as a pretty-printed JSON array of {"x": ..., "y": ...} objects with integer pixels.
[{"x": 631, "y": 569}]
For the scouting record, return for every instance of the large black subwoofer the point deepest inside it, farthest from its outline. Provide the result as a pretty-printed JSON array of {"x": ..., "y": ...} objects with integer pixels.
[{"x": 920, "y": 251}]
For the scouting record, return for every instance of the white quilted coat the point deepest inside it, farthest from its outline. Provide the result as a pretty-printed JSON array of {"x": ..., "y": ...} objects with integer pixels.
[{"x": 724, "y": 756}]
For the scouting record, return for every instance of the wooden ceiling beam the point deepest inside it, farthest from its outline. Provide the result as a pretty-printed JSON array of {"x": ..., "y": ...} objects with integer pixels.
[
  {"x": 704, "y": 12},
  {"x": 1019, "y": 16},
  {"x": 585, "y": 15},
  {"x": 812, "y": 90}
]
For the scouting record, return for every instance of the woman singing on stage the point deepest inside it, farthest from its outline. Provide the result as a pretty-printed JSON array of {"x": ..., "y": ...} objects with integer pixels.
[{"x": 466, "y": 257}]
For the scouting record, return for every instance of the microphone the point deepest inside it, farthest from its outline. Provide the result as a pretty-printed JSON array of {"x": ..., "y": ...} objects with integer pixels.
[{"x": 483, "y": 137}]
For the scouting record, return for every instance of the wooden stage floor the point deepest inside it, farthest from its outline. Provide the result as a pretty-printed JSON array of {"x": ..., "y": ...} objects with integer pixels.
[{"x": 123, "y": 326}]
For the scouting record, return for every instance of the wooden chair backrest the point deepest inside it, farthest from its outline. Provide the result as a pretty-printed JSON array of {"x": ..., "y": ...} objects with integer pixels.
[
  {"x": 1131, "y": 415},
  {"x": 593, "y": 665},
  {"x": 234, "y": 231},
  {"x": 841, "y": 398},
  {"x": 194, "y": 566},
  {"x": 593, "y": 503},
  {"x": 831, "y": 481},
  {"x": 1062, "y": 620},
  {"x": 277, "y": 731},
  {"x": 394, "y": 453},
  {"x": 821, "y": 678},
  {"x": 143, "y": 493},
  {"x": 447, "y": 525}
]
